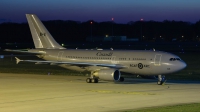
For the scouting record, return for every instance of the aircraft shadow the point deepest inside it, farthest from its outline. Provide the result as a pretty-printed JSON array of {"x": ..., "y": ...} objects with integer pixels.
[{"x": 168, "y": 82}]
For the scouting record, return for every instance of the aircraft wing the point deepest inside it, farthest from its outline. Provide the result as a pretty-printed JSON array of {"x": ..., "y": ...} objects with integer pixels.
[{"x": 117, "y": 66}]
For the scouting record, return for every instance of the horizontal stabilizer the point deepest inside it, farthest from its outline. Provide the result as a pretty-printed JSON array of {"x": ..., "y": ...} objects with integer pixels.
[
  {"x": 17, "y": 60},
  {"x": 40, "y": 63},
  {"x": 34, "y": 51}
]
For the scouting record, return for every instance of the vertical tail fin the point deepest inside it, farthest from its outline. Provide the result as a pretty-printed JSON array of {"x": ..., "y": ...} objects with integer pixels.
[{"x": 41, "y": 36}]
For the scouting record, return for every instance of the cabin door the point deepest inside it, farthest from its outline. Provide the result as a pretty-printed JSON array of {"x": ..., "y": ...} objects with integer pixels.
[
  {"x": 113, "y": 61},
  {"x": 157, "y": 59},
  {"x": 59, "y": 57}
]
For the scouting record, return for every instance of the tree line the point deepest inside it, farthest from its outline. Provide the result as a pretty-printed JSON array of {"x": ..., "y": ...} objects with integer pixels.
[{"x": 69, "y": 30}]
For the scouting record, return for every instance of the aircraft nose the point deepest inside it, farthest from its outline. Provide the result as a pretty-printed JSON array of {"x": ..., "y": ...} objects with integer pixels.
[{"x": 182, "y": 65}]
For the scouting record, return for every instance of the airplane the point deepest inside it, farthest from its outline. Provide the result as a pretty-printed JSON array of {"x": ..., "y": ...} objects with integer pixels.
[{"x": 103, "y": 64}]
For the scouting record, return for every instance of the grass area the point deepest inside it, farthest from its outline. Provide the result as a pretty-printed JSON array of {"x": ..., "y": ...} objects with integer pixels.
[{"x": 194, "y": 107}]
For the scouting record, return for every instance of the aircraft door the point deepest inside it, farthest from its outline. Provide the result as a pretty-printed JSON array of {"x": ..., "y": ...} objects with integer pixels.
[
  {"x": 157, "y": 59},
  {"x": 59, "y": 57},
  {"x": 113, "y": 61}
]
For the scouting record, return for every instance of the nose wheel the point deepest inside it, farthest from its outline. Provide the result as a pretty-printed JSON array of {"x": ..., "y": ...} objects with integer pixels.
[{"x": 161, "y": 79}]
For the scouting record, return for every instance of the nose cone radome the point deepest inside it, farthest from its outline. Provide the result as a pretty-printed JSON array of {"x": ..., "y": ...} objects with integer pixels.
[{"x": 182, "y": 65}]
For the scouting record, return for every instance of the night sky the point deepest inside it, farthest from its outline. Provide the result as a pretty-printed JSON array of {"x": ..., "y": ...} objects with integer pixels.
[{"x": 122, "y": 11}]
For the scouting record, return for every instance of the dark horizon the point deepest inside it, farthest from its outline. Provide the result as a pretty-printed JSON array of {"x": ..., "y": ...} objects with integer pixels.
[
  {"x": 79, "y": 31},
  {"x": 90, "y": 20}
]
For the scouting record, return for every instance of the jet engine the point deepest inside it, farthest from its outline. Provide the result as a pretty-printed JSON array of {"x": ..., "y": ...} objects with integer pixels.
[{"x": 109, "y": 74}]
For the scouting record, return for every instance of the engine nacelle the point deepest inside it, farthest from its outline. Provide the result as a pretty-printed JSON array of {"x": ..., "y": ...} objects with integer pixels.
[{"x": 109, "y": 74}]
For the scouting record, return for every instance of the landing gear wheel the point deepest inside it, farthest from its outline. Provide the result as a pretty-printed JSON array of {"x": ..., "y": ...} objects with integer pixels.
[
  {"x": 96, "y": 80},
  {"x": 88, "y": 80},
  {"x": 121, "y": 79},
  {"x": 160, "y": 82}
]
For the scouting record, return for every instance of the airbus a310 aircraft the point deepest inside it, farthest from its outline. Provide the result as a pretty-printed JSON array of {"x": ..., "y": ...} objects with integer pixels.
[{"x": 103, "y": 64}]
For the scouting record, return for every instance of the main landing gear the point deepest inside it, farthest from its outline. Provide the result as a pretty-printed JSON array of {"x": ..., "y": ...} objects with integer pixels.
[
  {"x": 161, "y": 79},
  {"x": 95, "y": 79},
  {"x": 92, "y": 80}
]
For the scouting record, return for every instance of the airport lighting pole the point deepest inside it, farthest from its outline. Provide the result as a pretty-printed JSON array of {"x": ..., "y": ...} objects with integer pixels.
[
  {"x": 141, "y": 27},
  {"x": 91, "y": 31},
  {"x": 112, "y": 25}
]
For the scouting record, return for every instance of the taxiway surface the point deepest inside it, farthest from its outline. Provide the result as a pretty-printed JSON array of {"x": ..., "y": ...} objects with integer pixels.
[{"x": 50, "y": 93}]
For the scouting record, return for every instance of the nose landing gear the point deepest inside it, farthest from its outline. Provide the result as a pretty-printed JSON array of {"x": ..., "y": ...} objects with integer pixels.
[{"x": 161, "y": 79}]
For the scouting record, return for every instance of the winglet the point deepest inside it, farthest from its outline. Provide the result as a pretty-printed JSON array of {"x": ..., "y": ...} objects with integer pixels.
[{"x": 17, "y": 60}]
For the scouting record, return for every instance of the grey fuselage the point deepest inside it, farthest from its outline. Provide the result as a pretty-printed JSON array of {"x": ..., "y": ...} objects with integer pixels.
[{"x": 135, "y": 61}]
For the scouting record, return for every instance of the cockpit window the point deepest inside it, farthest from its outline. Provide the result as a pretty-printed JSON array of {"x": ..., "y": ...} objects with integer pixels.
[{"x": 174, "y": 59}]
